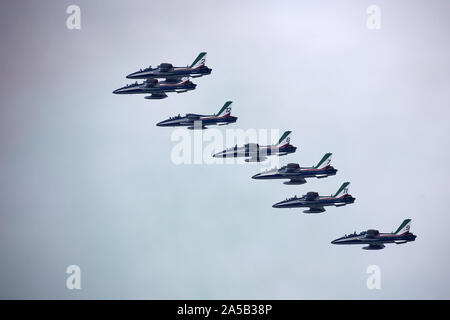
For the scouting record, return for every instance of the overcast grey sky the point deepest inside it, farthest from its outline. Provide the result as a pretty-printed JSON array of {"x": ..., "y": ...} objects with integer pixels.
[{"x": 87, "y": 179}]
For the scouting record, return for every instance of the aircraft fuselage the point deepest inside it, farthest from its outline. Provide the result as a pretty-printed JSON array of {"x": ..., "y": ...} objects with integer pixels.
[
  {"x": 195, "y": 121},
  {"x": 321, "y": 201},
  {"x": 142, "y": 88},
  {"x": 300, "y": 173},
  {"x": 381, "y": 238},
  {"x": 174, "y": 72},
  {"x": 255, "y": 151}
]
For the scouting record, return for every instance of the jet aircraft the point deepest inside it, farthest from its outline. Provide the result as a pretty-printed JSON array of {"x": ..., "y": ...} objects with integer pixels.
[
  {"x": 297, "y": 174},
  {"x": 316, "y": 203},
  {"x": 156, "y": 88},
  {"x": 259, "y": 153},
  {"x": 376, "y": 240},
  {"x": 199, "y": 121},
  {"x": 168, "y": 71}
]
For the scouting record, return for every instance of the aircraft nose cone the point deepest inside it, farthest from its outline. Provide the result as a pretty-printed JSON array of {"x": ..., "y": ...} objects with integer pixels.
[
  {"x": 133, "y": 75},
  {"x": 164, "y": 123}
]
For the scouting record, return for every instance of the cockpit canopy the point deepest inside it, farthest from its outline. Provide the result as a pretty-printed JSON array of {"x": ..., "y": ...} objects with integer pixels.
[{"x": 312, "y": 195}]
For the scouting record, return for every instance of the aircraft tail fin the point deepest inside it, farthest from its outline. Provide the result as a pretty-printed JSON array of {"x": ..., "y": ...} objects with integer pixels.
[
  {"x": 226, "y": 110},
  {"x": 199, "y": 61},
  {"x": 343, "y": 190},
  {"x": 325, "y": 161},
  {"x": 404, "y": 227},
  {"x": 284, "y": 139}
]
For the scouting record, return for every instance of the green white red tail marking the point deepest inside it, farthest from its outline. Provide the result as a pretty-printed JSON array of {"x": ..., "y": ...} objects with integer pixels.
[
  {"x": 284, "y": 138},
  {"x": 226, "y": 109},
  {"x": 404, "y": 227},
  {"x": 199, "y": 61},
  {"x": 343, "y": 190},
  {"x": 324, "y": 162}
]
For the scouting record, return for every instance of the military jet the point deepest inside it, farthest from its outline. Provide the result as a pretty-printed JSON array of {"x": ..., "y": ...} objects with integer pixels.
[
  {"x": 297, "y": 174},
  {"x": 199, "y": 121},
  {"x": 316, "y": 203},
  {"x": 259, "y": 153},
  {"x": 168, "y": 71},
  {"x": 376, "y": 240},
  {"x": 156, "y": 88}
]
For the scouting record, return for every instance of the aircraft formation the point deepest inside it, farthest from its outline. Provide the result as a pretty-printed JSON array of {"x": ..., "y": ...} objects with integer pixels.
[{"x": 176, "y": 79}]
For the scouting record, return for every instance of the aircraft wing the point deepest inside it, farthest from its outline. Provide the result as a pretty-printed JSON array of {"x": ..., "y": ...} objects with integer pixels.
[
  {"x": 340, "y": 204},
  {"x": 374, "y": 246},
  {"x": 157, "y": 95},
  {"x": 315, "y": 209},
  {"x": 297, "y": 180},
  {"x": 256, "y": 159}
]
